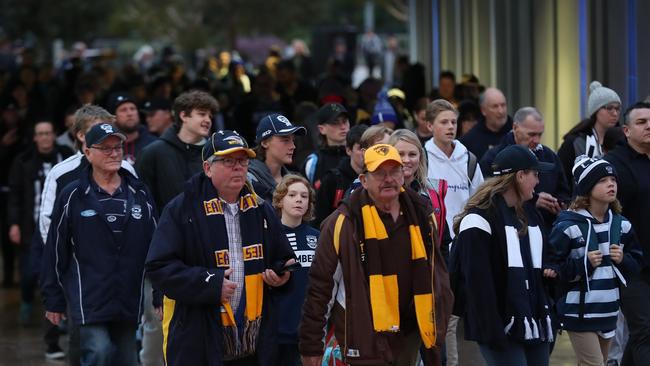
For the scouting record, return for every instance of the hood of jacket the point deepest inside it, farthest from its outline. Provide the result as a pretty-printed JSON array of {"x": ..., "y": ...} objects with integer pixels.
[
  {"x": 170, "y": 136},
  {"x": 457, "y": 156}
]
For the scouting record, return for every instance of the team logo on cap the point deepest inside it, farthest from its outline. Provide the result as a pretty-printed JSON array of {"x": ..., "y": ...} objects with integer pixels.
[
  {"x": 107, "y": 128},
  {"x": 284, "y": 120},
  {"x": 381, "y": 150},
  {"x": 266, "y": 133},
  {"x": 609, "y": 169},
  {"x": 234, "y": 140}
]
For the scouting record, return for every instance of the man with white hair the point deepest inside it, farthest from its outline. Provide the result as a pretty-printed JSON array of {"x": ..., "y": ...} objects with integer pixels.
[{"x": 552, "y": 192}]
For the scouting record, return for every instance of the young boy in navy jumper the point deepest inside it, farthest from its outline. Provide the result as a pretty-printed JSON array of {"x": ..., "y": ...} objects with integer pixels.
[
  {"x": 594, "y": 249},
  {"x": 294, "y": 200}
]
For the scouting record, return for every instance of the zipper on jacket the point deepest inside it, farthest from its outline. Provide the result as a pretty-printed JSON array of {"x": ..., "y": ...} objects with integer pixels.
[{"x": 81, "y": 306}]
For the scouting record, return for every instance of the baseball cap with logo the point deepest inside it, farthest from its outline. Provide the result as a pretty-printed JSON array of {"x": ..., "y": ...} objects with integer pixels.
[
  {"x": 101, "y": 132},
  {"x": 328, "y": 113},
  {"x": 379, "y": 154},
  {"x": 117, "y": 99},
  {"x": 223, "y": 143},
  {"x": 276, "y": 125},
  {"x": 516, "y": 157}
]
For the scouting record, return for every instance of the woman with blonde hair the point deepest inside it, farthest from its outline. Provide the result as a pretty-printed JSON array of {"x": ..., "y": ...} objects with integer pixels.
[{"x": 498, "y": 256}]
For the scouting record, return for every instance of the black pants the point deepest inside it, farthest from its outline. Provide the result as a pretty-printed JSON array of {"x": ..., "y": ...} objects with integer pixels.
[{"x": 635, "y": 302}]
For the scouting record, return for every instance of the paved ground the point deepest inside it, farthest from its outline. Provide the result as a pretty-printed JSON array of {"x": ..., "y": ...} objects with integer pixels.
[{"x": 23, "y": 345}]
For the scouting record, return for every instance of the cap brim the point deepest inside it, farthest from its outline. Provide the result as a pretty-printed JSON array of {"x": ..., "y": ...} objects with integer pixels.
[
  {"x": 545, "y": 167},
  {"x": 373, "y": 166},
  {"x": 119, "y": 135},
  {"x": 295, "y": 130},
  {"x": 333, "y": 118},
  {"x": 251, "y": 154}
]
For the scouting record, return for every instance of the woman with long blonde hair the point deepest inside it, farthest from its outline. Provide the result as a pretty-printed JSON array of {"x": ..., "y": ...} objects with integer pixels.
[{"x": 498, "y": 257}]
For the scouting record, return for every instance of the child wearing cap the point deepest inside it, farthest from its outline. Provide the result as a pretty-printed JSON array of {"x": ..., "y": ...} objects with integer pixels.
[
  {"x": 294, "y": 201},
  {"x": 498, "y": 264},
  {"x": 593, "y": 249}
]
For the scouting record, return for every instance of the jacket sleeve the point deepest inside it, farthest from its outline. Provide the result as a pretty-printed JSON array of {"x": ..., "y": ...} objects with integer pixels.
[
  {"x": 475, "y": 248},
  {"x": 167, "y": 270},
  {"x": 567, "y": 262},
  {"x": 56, "y": 256},
  {"x": 567, "y": 157},
  {"x": 145, "y": 167},
  {"x": 324, "y": 198},
  {"x": 632, "y": 254},
  {"x": 15, "y": 204},
  {"x": 48, "y": 196},
  {"x": 321, "y": 291}
]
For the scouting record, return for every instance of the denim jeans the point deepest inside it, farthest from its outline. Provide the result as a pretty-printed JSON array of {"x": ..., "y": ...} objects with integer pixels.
[
  {"x": 517, "y": 354},
  {"x": 106, "y": 344}
]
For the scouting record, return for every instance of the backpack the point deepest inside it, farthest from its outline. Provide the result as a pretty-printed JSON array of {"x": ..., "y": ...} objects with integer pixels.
[{"x": 472, "y": 161}]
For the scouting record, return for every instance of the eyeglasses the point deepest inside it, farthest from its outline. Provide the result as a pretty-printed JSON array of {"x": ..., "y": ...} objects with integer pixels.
[
  {"x": 108, "y": 150},
  {"x": 381, "y": 174},
  {"x": 230, "y": 162},
  {"x": 612, "y": 108}
]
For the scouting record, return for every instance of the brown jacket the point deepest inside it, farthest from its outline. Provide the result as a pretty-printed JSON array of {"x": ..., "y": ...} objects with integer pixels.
[{"x": 338, "y": 277}]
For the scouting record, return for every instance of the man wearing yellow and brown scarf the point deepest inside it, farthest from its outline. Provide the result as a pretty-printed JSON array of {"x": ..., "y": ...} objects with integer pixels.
[{"x": 377, "y": 279}]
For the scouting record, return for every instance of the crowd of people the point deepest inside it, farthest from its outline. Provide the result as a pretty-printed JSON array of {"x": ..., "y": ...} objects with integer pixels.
[{"x": 277, "y": 217}]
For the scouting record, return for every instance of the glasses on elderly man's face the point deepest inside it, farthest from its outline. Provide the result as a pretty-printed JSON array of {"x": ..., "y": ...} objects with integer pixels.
[
  {"x": 231, "y": 162},
  {"x": 108, "y": 150}
]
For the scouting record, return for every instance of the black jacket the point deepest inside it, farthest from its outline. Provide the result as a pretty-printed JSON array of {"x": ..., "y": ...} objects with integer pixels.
[
  {"x": 262, "y": 180},
  {"x": 322, "y": 161},
  {"x": 633, "y": 171},
  {"x": 333, "y": 186},
  {"x": 166, "y": 164},
  {"x": 480, "y": 139},
  {"x": 26, "y": 180}
]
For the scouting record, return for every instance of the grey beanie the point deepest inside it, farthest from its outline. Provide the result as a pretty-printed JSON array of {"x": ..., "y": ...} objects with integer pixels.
[{"x": 600, "y": 96}]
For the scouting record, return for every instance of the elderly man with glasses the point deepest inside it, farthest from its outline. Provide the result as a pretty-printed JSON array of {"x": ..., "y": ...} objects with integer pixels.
[
  {"x": 375, "y": 292},
  {"x": 93, "y": 260},
  {"x": 219, "y": 256}
]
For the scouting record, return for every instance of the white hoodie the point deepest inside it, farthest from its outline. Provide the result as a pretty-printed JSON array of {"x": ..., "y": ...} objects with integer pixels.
[{"x": 454, "y": 170}]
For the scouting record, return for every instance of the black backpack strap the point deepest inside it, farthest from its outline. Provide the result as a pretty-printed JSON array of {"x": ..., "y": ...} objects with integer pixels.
[{"x": 472, "y": 162}]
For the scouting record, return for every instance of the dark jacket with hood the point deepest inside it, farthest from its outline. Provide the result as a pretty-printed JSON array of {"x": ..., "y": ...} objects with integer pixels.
[
  {"x": 184, "y": 268},
  {"x": 263, "y": 182},
  {"x": 552, "y": 182},
  {"x": 166, "y": 164},
  {"x": 480, "y": 139},
  {"x": 133, "y": 149},
  {"x": 322, "y": 161}
]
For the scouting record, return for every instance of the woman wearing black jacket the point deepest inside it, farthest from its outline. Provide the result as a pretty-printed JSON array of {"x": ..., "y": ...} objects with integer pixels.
[{"x": 499, "y": 257}]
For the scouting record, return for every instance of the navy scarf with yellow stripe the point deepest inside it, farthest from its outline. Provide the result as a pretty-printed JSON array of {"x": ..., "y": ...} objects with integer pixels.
[
  {"x": 240, "y": 336},
  {"x": 384, "y": 291}
]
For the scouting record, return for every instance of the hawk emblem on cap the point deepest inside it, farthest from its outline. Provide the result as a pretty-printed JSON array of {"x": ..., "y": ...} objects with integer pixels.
[
  {"x": 381, "y": 150},
  {"x": 234, "y": 140},
  {"x": 107, "y": 128}
]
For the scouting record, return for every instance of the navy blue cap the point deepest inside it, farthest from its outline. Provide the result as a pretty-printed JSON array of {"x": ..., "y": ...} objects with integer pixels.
[
  {"x": 516, "y": 157},
  {"x": 101, "y": 132},
  {"x": 223, "y": 143},
  {"x": 276, "y": 125},
  {"x": 157, "y": 103},
  {"x": 117, "y": 99}
]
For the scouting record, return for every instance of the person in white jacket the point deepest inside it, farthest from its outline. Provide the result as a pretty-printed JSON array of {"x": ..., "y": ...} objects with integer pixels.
[{"x": 450, "y": 160}]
